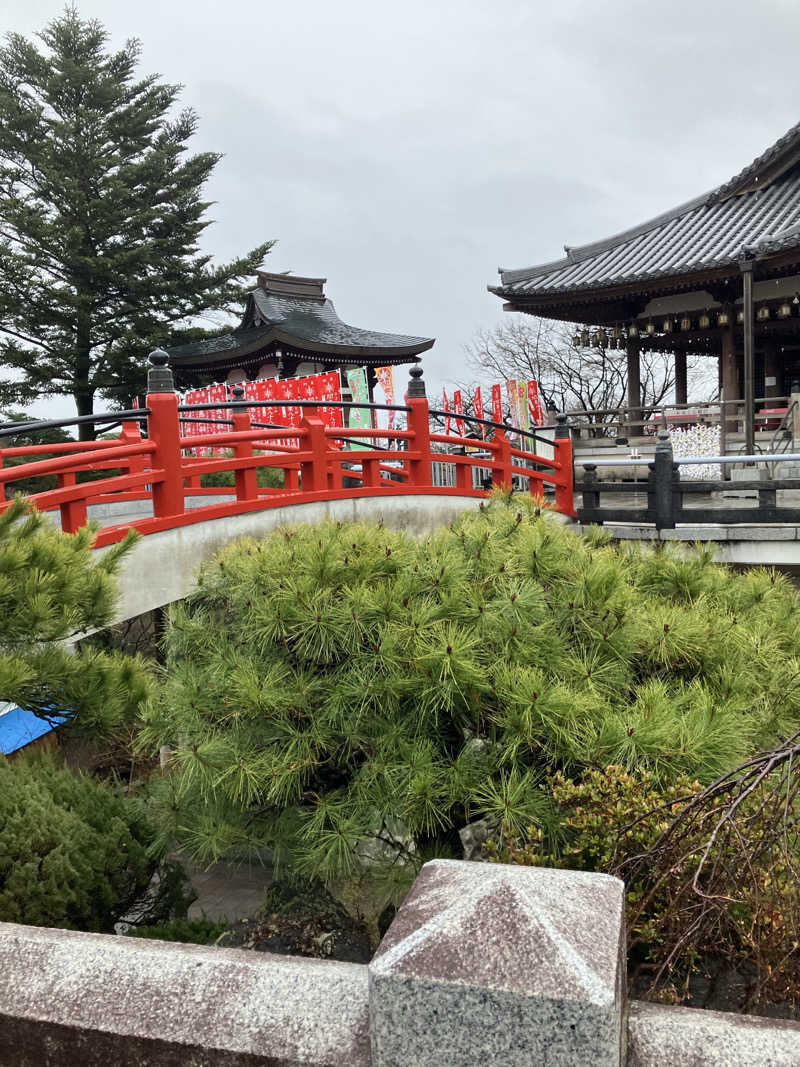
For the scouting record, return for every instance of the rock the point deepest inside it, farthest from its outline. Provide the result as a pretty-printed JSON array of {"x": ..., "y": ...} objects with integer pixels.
[{"x": 474, "y": 837}]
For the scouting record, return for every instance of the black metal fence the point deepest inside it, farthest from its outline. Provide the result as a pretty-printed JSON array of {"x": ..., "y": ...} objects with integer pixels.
[{"x": 668, "y": 495}]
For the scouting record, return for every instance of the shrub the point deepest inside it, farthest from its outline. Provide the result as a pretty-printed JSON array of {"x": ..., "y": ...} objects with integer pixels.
[
  {"x": 189, "y": 931},
  {"x": 73, "y": 852},
  {"x": 348, "y": 696},
  {"x": 696, "y": 899}
]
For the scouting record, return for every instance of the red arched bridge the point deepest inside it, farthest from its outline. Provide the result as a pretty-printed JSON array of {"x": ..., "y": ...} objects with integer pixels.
[{"x": 152, "y": 460}]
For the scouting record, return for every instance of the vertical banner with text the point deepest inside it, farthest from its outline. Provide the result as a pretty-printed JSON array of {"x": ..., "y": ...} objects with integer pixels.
[{"x": 359, "y": 418}]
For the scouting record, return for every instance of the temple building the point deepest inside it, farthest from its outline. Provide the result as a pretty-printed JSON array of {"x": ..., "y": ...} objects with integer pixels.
[
  {"x": 291, "y": 329},
  {"x": 718, "y": 276}
]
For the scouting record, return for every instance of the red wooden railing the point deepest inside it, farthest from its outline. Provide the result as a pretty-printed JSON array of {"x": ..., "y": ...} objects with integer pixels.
[{"x": 314, "y": 459}]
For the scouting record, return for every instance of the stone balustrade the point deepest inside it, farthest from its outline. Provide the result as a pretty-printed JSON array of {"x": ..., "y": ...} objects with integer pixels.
[{"x": 484, "y": 965}]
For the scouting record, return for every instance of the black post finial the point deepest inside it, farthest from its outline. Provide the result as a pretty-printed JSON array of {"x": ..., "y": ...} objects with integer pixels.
[
  {"x": 159, "y": 374},
  {"x": 562, "y": 426},
  {"x": 238, "y": 391},
  {"x": 416, "y": 387}
]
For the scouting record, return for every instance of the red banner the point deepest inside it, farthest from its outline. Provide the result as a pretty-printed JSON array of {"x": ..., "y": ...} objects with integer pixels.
[
  {"x": 446, "y": 408},
  {"x": 535, "y": 410},
  {"x": 477, "y": 408},
  {"x": 458, "y": 409},
  {"x": 497, "y": 404}
]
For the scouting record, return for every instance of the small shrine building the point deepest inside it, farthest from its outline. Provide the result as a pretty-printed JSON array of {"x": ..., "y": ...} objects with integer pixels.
[
  {"x": 718, "y": 276},
  {"x": 290, "y": 329}
]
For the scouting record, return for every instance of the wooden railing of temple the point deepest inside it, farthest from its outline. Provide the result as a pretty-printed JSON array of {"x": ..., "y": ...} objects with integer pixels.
[{"x": 151, "y": 459}]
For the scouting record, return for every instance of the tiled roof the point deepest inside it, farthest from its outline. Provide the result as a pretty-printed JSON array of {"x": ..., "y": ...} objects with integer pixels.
[
  {"x": 710, "y": 231},
  {"x": 302, "y": 322}
]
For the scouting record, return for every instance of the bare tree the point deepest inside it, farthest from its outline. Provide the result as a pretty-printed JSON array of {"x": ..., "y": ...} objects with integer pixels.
[{"x": 575, "y": 378}]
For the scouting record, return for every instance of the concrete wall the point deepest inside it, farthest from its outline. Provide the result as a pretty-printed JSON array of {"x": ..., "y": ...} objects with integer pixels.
[
  {"x": 163, "y": 566},
  {"x": 759, "y": 545},
  {"x": 484, "y": 966}
]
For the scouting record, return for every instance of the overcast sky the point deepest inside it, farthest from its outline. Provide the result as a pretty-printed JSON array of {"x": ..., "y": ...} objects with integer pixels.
[{"x": 406, "y": 150}]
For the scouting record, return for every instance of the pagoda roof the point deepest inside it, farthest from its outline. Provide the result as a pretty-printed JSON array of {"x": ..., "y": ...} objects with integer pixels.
[
  {"x": 756, "y": 213},
  {"x": 296, "y": 313}
]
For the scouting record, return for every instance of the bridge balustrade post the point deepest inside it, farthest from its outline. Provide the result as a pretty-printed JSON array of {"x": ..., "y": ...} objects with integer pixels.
[
  {"x": 164, "y": 430},
  {"x": 73, "y": 512},
  {"x": 565, "y": 475},
  {"x": 246, "y": 481},
  {"x": 591, "y": 494},
  {"x": 663, "y": 487},
  {"x": 501, "y": 460},
  {"x": 314, "y": 471},
  {"x": 420, "y": 473}
]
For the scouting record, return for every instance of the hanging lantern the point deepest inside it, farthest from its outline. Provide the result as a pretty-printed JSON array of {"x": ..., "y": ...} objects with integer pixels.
[
  {"x": 763, "y": 313},
  {"x": 704, "y": 321},
  {"x": 616, "y": 333},
  {"x": 651, "y": 329},
  {"x": 584, "y": 338},
  {"x": 686, "y": 323},
  {"x": 602, "y": 338},
  {"x": 740, "y": 316},
  {"x": 633, "y": 330},
  {"x": 785, "y": 310},
  {"x": 595, "y": 339},
  {"x": 666, "y": 326},
  {"x": 576, "y": 340},
  {"x": 723, "y": 319}
]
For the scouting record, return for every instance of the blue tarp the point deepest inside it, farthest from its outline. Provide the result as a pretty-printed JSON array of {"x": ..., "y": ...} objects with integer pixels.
[{"x": 19, "y": 727}]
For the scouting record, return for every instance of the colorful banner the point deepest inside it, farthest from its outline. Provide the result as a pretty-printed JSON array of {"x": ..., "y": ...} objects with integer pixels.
[
  {"x": 522, "y": 405},
  {"x": 512, "y": 397},
  {"x": 359, "y": 418},
  {"x": 477, "y": 408},
  {"x": 446, "y": 408},
  {"x": 458, "y": 409},
  {"x": 535, "y": 409},
  {"x": 385, "y": 378},
  {"x": 497, "y": 404}
]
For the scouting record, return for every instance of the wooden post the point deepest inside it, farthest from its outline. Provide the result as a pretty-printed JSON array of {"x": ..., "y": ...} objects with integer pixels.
[
  {"x": 501, "y": 461},
  {"x": 634, "y": 387},
  {"x": 73, "y": 513},
  {"x": 681, "y": 389},
  {"x": 164, "y": 431},
  {"x": 746, "y": 267},
  {"x": 565, "y": 501},
  {"x": 246, "y": 481},
  {"x": 314, "y": 471},
  {"x": 419, "y": 472}
]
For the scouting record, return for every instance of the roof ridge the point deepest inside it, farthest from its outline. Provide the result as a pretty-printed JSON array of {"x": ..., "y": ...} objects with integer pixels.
[{"x": 789, "y": 142}]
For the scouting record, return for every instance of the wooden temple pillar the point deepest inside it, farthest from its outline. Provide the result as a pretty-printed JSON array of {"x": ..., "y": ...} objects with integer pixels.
[
  {"x": 634, "y": 386},
  {"x": 729, "y": 374},
  {"x": 680, "y": 378}
]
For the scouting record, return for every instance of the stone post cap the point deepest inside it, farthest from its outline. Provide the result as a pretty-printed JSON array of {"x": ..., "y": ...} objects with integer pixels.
[
  {"x": 488, "y": 964},
  {"x": 530, "y": 930}
]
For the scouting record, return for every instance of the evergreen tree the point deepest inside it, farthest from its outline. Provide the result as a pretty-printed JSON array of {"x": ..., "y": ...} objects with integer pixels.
[
  {"x": 342, "y": 693},
  {"x": 73, "y": 852},
  {"x": 52, "y": 588},
  {"x": 101, "y": 211}
]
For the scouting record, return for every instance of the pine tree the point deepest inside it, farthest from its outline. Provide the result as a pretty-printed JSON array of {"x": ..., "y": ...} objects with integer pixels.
[
  {"x": 341, "y": 694},
  {"x": 101, "y": 211},
  {"x": 51, "y": 589}
]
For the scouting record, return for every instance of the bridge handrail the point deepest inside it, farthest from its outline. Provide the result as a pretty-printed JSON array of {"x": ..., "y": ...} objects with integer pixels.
[
  {"x": 643, "y": 461},
  {"x": 314, "y": 458}
]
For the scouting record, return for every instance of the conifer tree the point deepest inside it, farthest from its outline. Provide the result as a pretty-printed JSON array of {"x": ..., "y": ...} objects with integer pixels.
[
  {"x": 342, "y": 693},
  {"x": 101, "y": 210},
  {"x": 51, "y": 589}
]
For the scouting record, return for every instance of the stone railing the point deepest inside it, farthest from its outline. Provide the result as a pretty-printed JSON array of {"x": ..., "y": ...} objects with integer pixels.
[{"x": 484, "y": 965}]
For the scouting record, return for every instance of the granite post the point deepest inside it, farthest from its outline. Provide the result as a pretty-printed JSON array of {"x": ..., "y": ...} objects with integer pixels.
[{"x": 487, "y": 964}]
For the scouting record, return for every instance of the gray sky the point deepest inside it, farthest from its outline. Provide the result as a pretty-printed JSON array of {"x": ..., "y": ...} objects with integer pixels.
[{"x": 406, "y": 151}]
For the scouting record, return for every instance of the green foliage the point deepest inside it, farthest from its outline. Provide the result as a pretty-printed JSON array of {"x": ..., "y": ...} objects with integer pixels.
[
  {"x": 266, "y": 478},
  {"x": 347, "y": 696},
  {"x": 73, "y": 852},
  {"x": 190, "y": 931},
  {"x": 51, "y": 588},
  {"x": 42, "y": 482},
  {"x": 102, "y": 212},
  {"x": 745, "y": 912}
]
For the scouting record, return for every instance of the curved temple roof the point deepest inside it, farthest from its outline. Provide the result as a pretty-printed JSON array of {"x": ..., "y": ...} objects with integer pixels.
[
  {"x": 295, "y": 312},
  {"x": 757, "y": 212}
]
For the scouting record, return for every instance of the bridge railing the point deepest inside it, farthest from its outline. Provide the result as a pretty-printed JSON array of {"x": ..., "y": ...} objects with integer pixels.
[
  {"x": 667, "y": 496},
  {"x": 153, "y": 460}
]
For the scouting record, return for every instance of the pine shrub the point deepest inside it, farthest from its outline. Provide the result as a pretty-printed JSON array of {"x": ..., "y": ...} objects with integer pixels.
[
  {"x": 347, "y": 696},
  {"x": 74, "y": 853}
]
